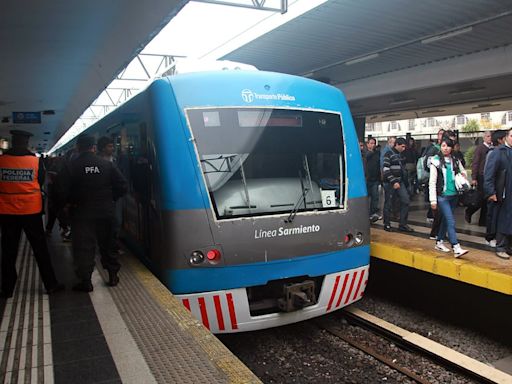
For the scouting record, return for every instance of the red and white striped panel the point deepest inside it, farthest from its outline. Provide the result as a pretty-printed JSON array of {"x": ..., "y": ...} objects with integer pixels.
[
  {"x": 216, "y": 310},
  {"x": 345, "y": 287},
  {"x": 228, "y": 311}
]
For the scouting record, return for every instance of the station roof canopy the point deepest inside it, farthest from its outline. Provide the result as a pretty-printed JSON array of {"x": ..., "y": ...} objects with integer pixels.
[
  {"x": 57, "y": 56},
  {"x": 393, "y": 59},
  {"x": 398, "y": 58}
]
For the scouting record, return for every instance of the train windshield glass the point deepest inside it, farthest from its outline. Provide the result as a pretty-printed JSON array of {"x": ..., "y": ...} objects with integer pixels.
[{"x": 264, "y": 161}]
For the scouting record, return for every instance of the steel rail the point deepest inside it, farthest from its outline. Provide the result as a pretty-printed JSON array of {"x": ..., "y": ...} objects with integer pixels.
[
  {"x": 412, "y": 342},
  {"x": 370, "y": 351}
]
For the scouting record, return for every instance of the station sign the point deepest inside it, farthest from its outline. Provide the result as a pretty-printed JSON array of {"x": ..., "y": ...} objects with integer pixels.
[{"x": 26, "y": 117}]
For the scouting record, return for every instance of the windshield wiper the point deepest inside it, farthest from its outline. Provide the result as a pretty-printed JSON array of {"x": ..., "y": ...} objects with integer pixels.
[
  {"x": 302, "y": 198},
  {"x": 242, "y": 172},
  {"x": 305, "y": 191},
  {"x": 293, "y": 213}
]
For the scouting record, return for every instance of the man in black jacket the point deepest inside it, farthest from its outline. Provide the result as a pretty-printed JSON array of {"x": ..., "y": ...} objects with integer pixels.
[
  {"x": 88, "y": 185},
  {"x": 394, "y": 177},
  {"x": 373, "y": 178}
]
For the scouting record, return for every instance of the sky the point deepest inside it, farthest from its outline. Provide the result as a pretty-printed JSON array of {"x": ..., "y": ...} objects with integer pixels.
[{"x": 203, "y": 31}]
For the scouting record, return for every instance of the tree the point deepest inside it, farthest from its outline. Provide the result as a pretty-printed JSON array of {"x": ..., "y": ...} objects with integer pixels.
[
  {"x": 468, "y": 156},
  {"x": 472, "y": 127}
]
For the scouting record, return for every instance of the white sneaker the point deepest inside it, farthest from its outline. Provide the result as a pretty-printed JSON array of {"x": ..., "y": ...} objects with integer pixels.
[
  {"x": 458, "y": 251},
  {"x": 503, "y": 255},
  {"x": 491, "y": 243},
  {"x": 441, "y": 247}
]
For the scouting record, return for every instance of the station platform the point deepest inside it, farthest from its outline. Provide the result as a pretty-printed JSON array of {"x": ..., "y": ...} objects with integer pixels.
[
  {"x": 136, "y": 332},
  {"x": 479, "y": 267}
]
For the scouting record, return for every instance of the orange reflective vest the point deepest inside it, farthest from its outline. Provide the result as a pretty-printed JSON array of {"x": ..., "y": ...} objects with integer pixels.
[{"x": 20, "y": 192}]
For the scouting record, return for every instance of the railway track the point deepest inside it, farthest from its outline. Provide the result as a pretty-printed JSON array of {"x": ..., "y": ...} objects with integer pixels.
[{"x": 417, "y": 344}]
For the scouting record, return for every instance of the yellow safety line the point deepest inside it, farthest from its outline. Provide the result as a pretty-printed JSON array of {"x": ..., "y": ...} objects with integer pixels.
[
  {"x": 218, "y": 354},
  {"x": 442, "y": 265}
]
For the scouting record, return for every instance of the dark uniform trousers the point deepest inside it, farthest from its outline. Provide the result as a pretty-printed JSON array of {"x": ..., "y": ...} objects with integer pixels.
[
  {"x": 85, "y": 233},
  {"x": 32, "y": 225}
]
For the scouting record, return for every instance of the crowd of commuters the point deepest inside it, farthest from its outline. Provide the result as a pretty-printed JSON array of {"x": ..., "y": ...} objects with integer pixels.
[
  {"x": 82, "y": 190},
  {"x": 439, "y": 170}
]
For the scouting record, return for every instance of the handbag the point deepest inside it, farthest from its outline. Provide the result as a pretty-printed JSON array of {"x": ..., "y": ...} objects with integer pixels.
[
  {"x": 461, "y": 183},
  {"x": 472, "y": 198}
]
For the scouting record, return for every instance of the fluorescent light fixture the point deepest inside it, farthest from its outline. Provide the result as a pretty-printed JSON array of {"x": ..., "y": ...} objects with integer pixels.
[
  {"x": 362, "y": 58},
  {"x": 434, "y": 111},
  {"x": 402, "y": 101},
  {"x": 309, "y": 74},
  {"x": 391, "y": 115},
  {"x": 486, "y": 105},
  {"x": 447, "y": 35},
  {"x": 465, "y": 91}
]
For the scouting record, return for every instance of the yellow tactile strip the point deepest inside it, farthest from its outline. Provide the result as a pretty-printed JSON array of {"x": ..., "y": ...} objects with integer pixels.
[
  {"x": 231, "y": 367},
  {"x": 480, "y": 268}
]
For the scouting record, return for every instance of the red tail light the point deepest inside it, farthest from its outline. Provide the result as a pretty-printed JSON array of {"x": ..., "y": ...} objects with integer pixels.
[{"x": 213, "y": 255}]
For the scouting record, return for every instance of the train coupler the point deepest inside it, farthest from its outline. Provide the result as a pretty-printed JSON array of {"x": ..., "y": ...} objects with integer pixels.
[{"x": 297, "y": 296}]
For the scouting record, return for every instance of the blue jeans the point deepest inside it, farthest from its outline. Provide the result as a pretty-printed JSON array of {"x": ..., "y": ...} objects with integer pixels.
[
  {"x": 447, "y": 204},
  {"x": 403, "y": 196},
  {"x": 373, "y": 196}
]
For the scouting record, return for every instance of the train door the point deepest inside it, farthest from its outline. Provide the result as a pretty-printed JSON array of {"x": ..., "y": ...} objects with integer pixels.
[{"x": 143, "y": 185}]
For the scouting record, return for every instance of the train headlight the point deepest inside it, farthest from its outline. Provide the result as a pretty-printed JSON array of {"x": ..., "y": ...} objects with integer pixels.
[
  {"x": 213, "y": 255},
  {"x": 358, "y": 238},
  {"x": 196, "y": 257}
]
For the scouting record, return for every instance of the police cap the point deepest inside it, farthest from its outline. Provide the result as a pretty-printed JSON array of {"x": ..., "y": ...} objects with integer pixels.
[{"x": 20, "y": 133}]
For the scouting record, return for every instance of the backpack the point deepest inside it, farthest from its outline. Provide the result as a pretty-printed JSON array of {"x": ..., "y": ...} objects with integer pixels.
[{"x": 422, "y": 174}]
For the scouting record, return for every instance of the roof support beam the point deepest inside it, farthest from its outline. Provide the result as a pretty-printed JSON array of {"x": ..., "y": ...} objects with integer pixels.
[
  {"x": 487, "y": 64},
  {"x": 256, "y": 4},
  {"x": 141, "y": 70}
]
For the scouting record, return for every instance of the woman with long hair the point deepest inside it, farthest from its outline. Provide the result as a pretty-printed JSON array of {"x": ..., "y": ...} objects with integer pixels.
[{"x": 443, "y": 194}]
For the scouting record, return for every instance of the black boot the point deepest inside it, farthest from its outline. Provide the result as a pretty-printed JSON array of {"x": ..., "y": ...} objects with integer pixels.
[
  {"x": 56, "y": 288},
  {"x": 83, "y": 286},
  {"x": 6, "y": 295},
  {"x": 113, "y": 279}
]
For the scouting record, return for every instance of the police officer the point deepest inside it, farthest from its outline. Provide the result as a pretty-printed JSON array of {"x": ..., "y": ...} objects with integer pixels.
[
  {"x": 88, "y": 185},
  {"x": 21, "y": 206}
]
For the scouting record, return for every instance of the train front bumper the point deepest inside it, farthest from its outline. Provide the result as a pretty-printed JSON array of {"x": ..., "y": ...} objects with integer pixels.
[{"x": 227, "y": 311}]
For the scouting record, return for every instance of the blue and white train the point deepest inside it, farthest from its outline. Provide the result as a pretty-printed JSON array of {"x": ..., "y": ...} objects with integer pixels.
[{"x": 247, "y": 195}]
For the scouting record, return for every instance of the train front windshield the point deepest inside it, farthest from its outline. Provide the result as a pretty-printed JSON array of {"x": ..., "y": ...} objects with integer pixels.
[{"x": 263, "y": 161}]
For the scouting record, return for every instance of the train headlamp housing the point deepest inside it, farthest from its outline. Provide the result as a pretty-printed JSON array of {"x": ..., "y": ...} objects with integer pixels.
[
  {"x": 358, "y": 238},
  {"x": 196, "y": 258}
]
